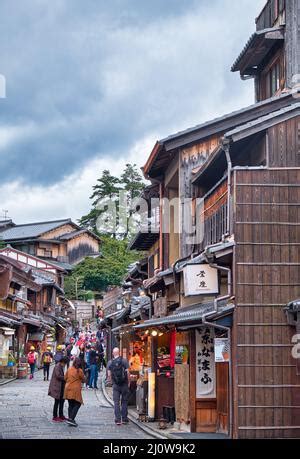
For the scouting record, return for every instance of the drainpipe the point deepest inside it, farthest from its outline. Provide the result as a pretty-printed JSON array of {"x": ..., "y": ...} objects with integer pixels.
[{"x": 226, "y": 148}]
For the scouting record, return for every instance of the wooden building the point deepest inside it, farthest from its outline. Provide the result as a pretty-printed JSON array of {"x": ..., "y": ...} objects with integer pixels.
[
  {"x": 61, "y": 241},
  {"x": 234, "y": 182},
  {"x": 32, "y": 304}
]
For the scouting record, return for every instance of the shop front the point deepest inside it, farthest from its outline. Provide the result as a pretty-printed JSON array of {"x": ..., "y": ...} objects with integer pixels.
[
  {"x": 136, "y": 349},
  {"x": 192, "y": 368},
  {"x": 7, "y": 354}
]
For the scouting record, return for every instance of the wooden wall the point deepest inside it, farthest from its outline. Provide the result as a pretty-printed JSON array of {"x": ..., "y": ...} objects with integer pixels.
[
  {"x": 266, "y": 277},
  {"x": 284, "y": 144},
  {"x": 64, "y": 229}
]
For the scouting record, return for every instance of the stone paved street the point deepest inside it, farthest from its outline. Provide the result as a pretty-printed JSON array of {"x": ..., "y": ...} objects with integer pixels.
[{"x": 26, "y": 412}]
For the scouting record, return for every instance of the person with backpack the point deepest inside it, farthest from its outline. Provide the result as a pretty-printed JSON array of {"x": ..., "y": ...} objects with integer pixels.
[
  {"x": 118, "y": 375},
  {"x": 32, "y": 359},
  {"x": 59, "y": 353},
  {"x": 47, "y": 358}
]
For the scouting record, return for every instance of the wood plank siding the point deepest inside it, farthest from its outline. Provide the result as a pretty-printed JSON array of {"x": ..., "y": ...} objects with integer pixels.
[{"x": 267, "y": 262}]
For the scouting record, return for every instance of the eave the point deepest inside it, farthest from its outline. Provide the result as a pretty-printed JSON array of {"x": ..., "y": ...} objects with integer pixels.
[
  {"x": 256, "y": 49},
  {"x": 143, "y": 241}
]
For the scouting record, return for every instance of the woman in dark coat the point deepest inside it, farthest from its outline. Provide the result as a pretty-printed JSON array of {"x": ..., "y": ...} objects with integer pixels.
[{"x": 56, "y": 389}]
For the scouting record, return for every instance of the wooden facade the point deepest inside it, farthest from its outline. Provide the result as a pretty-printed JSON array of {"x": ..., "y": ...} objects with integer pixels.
[
  {"x": 246, "y": 169},
  {"x": 267, "y": 255},
  {"x": 65, "y": 243}
]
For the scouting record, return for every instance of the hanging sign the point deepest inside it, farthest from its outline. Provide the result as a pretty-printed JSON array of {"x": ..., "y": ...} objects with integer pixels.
[
  {"x": 205, "y": 363},
  {"x": 200, "y": 279},
  {"x": 222, "y": 350}
]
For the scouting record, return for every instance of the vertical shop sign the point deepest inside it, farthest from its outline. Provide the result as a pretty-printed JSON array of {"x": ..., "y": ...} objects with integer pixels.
[{"x": 205, "y": 363}]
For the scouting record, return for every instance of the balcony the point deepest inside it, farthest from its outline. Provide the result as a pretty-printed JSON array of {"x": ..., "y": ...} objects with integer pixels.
[
  {"x": 147, "y": 233},
  {"x": 215, "y": 215}
]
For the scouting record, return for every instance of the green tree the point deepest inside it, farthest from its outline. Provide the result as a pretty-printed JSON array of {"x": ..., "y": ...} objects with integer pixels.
[
  {"x": 109, "y": 214},
  {"x": 107, "y": 187},
  {"x": 109, "y": 269}
]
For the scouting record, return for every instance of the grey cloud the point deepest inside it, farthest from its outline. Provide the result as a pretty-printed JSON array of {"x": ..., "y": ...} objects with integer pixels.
[{"x": 96, "y": 76}]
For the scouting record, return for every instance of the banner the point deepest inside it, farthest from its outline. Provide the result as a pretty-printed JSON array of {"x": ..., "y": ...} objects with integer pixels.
[{"x": 205, "y": 363}]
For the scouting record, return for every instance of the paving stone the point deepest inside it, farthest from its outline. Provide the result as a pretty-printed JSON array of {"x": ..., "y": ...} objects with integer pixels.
[{"x": 26, "y": 412}]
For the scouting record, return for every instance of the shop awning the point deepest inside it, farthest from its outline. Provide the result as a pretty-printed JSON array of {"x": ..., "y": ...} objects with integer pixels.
[
  {"x": 30, "y": 321},
  {"x": 8, "y": 321},
  {"x": 113, "y": 314},
  {"x": 194, "y": 315},
  {"x": 123, "y": 314}
]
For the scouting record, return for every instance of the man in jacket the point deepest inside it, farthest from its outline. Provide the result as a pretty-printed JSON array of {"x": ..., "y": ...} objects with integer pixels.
[{"x": 119, "y": 376}]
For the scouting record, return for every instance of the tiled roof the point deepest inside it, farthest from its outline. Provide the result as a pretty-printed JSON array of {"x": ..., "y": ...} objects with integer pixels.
[{"x": 31, "y": 230}]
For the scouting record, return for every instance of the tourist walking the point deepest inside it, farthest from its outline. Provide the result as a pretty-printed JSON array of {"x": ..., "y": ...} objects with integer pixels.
[
  {"x": 87, "y": 369},
  {"x": 118, "y": 375},
  {"x": 93, "y": 361},
  {"x": 47, "y": 358},
  {"x": 100, "y": 349},
  {"x": 59, "y": 353},
  {"x": 56, "y": 390},
  {"x": 74, "y": 378},
  {"x": 32, "y": 360}
]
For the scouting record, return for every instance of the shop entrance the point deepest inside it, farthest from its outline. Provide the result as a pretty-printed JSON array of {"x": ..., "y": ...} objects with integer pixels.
[
  {"x": 222, "y": 424},
  {"x": 209, "y": 399}
]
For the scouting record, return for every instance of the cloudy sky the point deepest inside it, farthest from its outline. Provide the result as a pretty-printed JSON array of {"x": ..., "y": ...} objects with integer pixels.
[{"x": 92, "y": 84}]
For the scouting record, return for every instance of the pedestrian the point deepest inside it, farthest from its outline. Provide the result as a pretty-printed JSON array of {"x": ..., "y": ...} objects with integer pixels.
[
  {"x": 59, "y": 353},
  {"x": 101, "y": 355},
  {"x": 74, "y": 378},
  {"x": 81, "y": 355},
  {"x": 68, "y": 353},
  {"x": 87, "y": 369},
  {"x": 118, "y": 375},
  {"x": 93, "y": 361},
  {"x": 32, "y": 360},
  {"x": 47, "y": 358},
  {"x": 56, "y": 390}
]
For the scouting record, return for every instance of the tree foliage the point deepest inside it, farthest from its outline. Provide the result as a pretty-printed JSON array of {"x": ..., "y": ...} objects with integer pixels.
[
  {"x": 110, "y": 212},
  {"x": 96, "y": 274},
  {"x": 109, "y": 269}
]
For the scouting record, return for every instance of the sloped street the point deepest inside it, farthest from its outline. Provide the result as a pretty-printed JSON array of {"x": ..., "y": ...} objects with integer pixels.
[{"x": 26, "y": 413}]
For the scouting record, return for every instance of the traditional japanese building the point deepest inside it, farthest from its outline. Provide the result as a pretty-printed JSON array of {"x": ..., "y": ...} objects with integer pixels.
[
  {"x": 33, "y": 307},
  {"x": 61, "y": 241},
  {"x": 226, "y": 283}
]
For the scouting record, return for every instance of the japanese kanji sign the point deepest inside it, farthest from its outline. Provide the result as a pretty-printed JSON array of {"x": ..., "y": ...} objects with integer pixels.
[
  {"x": 200, "y": 280},
  {"x": 205, "y": 363}
]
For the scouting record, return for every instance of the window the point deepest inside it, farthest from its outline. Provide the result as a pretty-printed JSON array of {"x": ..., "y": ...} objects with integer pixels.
[{"x": 272, "y": 80}]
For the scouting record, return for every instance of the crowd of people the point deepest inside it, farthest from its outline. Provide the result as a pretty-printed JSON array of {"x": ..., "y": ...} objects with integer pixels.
[{"x": 83, "y": 357}]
